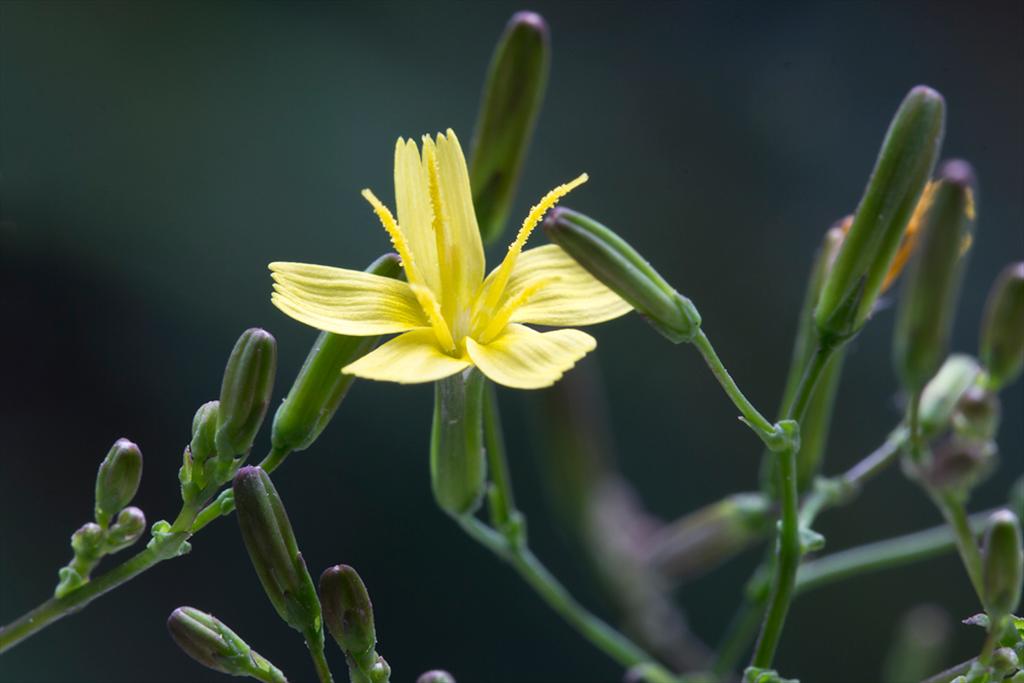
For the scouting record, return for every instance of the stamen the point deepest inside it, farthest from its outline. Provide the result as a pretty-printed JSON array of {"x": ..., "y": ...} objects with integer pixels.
[
  {"x": 430, "y": 306},
  {"x": 395, "y": 233},
  {"x": 504, "y": 314},
  {"x": 497, "y": 286}
]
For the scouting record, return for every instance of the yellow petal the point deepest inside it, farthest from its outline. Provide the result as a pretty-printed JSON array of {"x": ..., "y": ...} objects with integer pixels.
[
  {"x": 415, "y": 216},
  {"x": 345, "y": 301},
  {"x": 573, "y": 297},
  {"x": 409, "y": 358},
  {"x": 527, "y": 359},
  {"x": 464, "y": 250}
]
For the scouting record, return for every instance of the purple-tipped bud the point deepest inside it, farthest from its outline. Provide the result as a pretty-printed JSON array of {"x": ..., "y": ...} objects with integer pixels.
[
  {"x": 128, "y": 528},
  {"x": 206, "y": 639},
  {"x": 348, "y": 613},
  {"x": 117, "y": 480},
  {"x": 436, "y": 676},
  {"x": 245, "y": 392}
]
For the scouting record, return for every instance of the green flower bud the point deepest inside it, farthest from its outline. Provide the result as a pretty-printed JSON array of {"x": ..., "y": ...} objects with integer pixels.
[
  {"x": 204, "y": 432},
  {"x": 348, "y": 613},
  {"x": 1002, "y": 565},
  {"x": 904, "y": 164},
  {"x": 88, "y": 540},
  {"x": 977, "y": 414},
  {"x": 320, "y": 385},
  {"x": 942, "y": 394},
  {"x": 436, "y": 676},
  {"x": 128, "y": 528},
  {"x": 703, "y": 539},
  {"x": 206, "y": 639},
  {"x": 380, "y": 671},
  {"x": 245, "y": 393},
  {"x": 612, "y": 261},
  {"x": 1004, "y": 662},
  {"x": 932, "y": 284},
  {"x": 457, "y": 459},
  {"x": 1002, "y": 328},
  {"x": 274, "y": 553},
  {"x": 509, "y": 105},
  {"x": 117, "y": 480}
]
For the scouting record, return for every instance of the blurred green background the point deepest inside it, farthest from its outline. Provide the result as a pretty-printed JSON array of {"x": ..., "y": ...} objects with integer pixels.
[{"x": 156, "y": 156}]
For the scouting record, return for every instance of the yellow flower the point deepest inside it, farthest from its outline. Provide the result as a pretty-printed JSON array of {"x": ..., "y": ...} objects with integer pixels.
[{"x": 449, "y": 315}]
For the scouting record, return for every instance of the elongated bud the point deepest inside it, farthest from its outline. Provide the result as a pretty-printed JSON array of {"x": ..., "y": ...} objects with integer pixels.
[
  {"x": 814, "y": 426},
  {"x": 700, "y": 541},
  {"x": 1002, "y": 564},
  {"x": 1002, "y": 329},
  {"x": 206, "y": 639},
  {"x": 932, "y": 284},
  {"x": 457, "y": 463},
  {"x": 942, "y": 394},
  {"x": 436, "y": 676},
  {"x": 204, "y": 432},
  {"x": 612, "y": 261},
  {"x": 509, "y": 106},
  {"x": 128, "y": 528},
  {"x": 117, "y": 480},
  {"x": 348, "y": 613},
  {"x": 274, "y": 553},
  {"x": 320, "y": 385},
  {"x": 904, "y": 164},
  {"x": 245, "y": 393}
]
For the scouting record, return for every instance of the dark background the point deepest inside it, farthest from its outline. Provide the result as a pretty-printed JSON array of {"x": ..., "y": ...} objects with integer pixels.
[{"x": 156, "y": 156}]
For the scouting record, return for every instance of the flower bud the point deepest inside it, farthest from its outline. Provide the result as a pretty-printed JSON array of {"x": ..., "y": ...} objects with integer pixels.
[
  {"x": 87, "y": 541},
  {"x": 117, "y": 480},
  {"x": 1004, "y": 662},
  {"x": 977, "y": 414},
  {"x": 959, "y": 464},
  {"x": 457, "y": 463},
  {"x": 348, "y": 613},
  {"x": 509, "y": 105},
  {"x": 436, "y": 676},
  {"x": 899, "y": 177},
  {"x": 274, "y": 553},
  {"x": 932, "y": 284},
  {"x": 128, "y": 528},
  {"x": 1002, "y": 565},
  {"x": 245, "y": 393},
  {"x": 1002, "y": 328},
  {"x": 380, "y": 671},
  {"x": 615, "y": 263},
  {"x": 703, "y": 539},
  {"x": 210, "y": 642},
  {"x": 320, "y": 385},
  {"x": 204, "y": 432},
  {"x": 942, "y": 394}
]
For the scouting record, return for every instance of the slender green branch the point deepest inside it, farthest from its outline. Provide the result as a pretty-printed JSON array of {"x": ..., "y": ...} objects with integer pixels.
[
  {"x": 755, "y": 420},
  {"x": 315, "y": 643},
  {"x": 953, "y": 510},
  {"x": 189, "y": 520},
  {"x": 603, "y": 636},
  {"x": 788, "y": 552},
  {"x": 502, "y": 501},
  {"x": 887, "y": 554},
  {"x": 952, "y": 672}
]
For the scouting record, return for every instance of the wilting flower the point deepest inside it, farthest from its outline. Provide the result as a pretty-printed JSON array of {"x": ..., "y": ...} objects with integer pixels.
[{"x": 449, "y": 315}]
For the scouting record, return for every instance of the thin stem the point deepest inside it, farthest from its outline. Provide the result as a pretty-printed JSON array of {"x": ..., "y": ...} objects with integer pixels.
[
  {"x": 274, "y": 459},
  {"x": 788, "y": 553},
  {"x": 887, "y": 554},
  {"x": 952, "y": 672},
  {"x": 599, "y": 633},
  {"x": 914, "y": 421},
  {"x": 876, "y": 461},
  {"x": 742, "y": 629},
  {"x": 755, "y": 420},
  {"x": 315, "y": 643},
  {"x": 502, "y": 500},
  {"x": 953, "y": 510}
]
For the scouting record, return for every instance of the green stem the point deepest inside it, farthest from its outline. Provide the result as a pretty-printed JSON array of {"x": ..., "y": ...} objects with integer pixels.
[
  {"x": 914, "y": 422},
  {"x": 274, "y": 459},
  {"x": 315, "y": 643},
  {"x": 764, "y": 429},
  {"x": 501, "y": 497},
  {"x": 787, "y": 560},
  {"x": 189, "y": 520},
  {"x": 952, "y": 672},
  {"x": 953, "y": 510},
  {"x": 599, "y": 633},
  {"x": 893, "y": 552}
]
